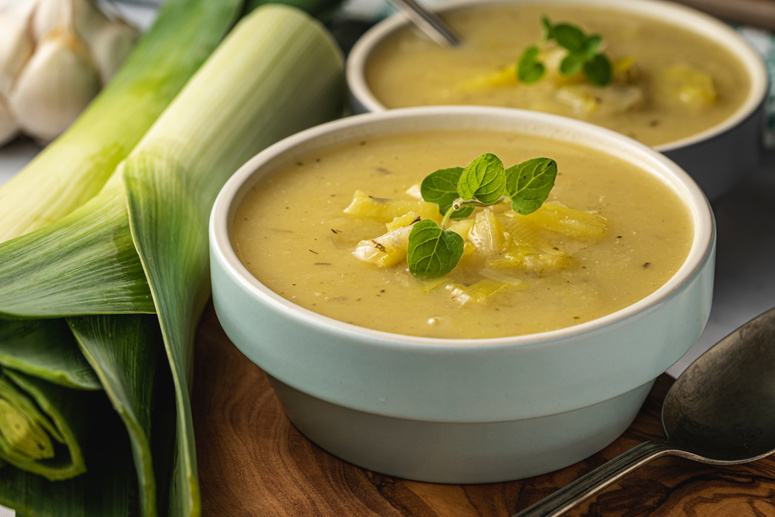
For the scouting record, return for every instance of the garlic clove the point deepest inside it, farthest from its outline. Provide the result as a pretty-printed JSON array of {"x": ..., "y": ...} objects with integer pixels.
[
  {"x": 10, "y": 5},
  {"x": 8, "y": 126},
  {"x": 110, "y": 45},
  {"x": 109, "y": 39},
  {"x": 87, "y": 18},
  {"x": 16, "y": 45},
  {"x": 49, "y": 15},
  {"x": 54, "y": 87}
]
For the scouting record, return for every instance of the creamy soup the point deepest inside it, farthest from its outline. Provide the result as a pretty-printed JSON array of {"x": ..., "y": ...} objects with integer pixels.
[
  {"x": 668, "y": 83},
  {"x": 609, "y": 235}
]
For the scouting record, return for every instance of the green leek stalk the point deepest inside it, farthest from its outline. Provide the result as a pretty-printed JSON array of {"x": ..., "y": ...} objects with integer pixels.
[{"x": 276, "y": 73}]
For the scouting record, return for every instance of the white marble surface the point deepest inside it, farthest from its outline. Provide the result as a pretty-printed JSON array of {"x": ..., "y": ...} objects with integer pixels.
[
  {"x": 14, "y": 156},
  {"x": 745, "y": 269}
]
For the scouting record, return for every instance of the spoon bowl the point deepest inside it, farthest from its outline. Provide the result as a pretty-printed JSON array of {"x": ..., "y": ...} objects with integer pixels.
[
  {"x": 722, "y": 408},
  {"x": 720, "y": 411}
]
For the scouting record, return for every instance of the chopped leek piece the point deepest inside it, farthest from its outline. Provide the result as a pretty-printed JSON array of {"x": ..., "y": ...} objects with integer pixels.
[
  {"x": 386, "y": 250},
  {"x": 567, "y": 221},
  {"x": 505, "y": 76},
  {"x": 530, "y": 258},
  {"x": 403, "y": 220},
  {"x": 586, "y": 99},
  {"x": 687, "y": 86},
  {"x": 385, "y": 210},
  {"x": 488, "y": 234},
  {"x": 478, "y": 292}
]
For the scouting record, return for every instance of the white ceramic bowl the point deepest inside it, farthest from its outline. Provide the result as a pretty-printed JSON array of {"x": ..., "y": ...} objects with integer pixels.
[
  {"x": 718, "y": 158},
  {"x": 461, "y": 411}
]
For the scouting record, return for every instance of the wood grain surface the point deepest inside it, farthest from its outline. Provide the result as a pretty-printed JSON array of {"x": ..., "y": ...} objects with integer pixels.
[{"x": 253, "y": 462}]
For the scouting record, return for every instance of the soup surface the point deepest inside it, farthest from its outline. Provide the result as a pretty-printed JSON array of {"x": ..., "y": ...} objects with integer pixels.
[
  {"x": 626, "y": 233},
  {"x": 668, "y": 83}
]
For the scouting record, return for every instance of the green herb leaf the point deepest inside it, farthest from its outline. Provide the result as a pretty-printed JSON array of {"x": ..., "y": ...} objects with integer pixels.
[
  {"x": 529, "y": 69},
  {"x": 571, "y": 64},
  {"x": 582, "y": 55},
  {"x": 591, "y": 44},
  {"x": 598, "y": 70},
  {"x": 548, "y": 28},
  {"x": 484, "y": 180},
  {"x": 528, "y": 184},
  {"x": 569, "y": 37},
  {"x": 440, "y": 187},
  {"x": 433, "y": 252}
]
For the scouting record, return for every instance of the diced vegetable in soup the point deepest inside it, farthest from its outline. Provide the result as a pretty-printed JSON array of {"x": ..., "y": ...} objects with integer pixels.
[
  {"x": 330, "y": 233},
  {"x": 662, "y": 83}
]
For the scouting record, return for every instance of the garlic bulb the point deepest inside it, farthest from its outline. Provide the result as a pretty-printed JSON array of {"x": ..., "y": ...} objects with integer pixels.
[{"x": 55, "y": 56}]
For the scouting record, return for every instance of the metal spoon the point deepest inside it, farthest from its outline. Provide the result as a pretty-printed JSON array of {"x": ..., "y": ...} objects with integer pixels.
[
  {"x": 428, "y": 22},
  {"x": 720, "y": 410}
]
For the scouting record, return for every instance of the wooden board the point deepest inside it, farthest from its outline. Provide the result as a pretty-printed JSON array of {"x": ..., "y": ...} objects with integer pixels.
[{"x": 253, "y": 462}]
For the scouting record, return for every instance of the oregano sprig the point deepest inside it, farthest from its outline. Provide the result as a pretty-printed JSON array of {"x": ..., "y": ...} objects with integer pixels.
[
  {"x": 433, "y": 250},
  {"x": 582, "y": 53}
]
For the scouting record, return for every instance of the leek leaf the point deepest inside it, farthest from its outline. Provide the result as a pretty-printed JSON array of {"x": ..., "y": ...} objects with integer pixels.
[
  {"x": 84, "y": 263},
  {"x": 291, "y": 79},
  {"x": 125, "y": 352},
  {"x": 45, "y": 349}
]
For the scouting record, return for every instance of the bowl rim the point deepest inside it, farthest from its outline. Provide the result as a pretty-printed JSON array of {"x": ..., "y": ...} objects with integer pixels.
[
  {"x": 687, "y": 17},
  {"x": 700, "y": 211}
]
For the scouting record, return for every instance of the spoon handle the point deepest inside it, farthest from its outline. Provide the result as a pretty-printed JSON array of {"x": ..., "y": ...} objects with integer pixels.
[
  {"x": 428, "y": 22},
  {"x": 572, "y": 494}
]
